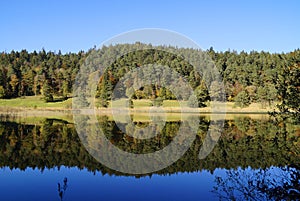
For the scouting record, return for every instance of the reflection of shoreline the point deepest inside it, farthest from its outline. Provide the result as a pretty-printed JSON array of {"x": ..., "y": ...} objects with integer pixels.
[
  {"x": 230, "y": 108},
  {"x": 34, "y": 116},
  {"x": 106, "y": 111},
  {"x": 259, "y": 143}
]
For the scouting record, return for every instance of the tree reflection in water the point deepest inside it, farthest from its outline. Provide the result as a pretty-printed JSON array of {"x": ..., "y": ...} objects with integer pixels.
[
  {"x": 245, "y": 142},
  {"x": 62, "y": 188},
  {"x": 260, "y": 156},
  {"x": 274, "y": 183}
]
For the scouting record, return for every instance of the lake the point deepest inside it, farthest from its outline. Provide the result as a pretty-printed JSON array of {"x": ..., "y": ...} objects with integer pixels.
[{"x": 256, "y": 157}]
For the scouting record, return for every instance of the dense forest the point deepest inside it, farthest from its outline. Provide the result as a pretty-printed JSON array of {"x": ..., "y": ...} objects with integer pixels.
[{"x": 247, "y": 76}]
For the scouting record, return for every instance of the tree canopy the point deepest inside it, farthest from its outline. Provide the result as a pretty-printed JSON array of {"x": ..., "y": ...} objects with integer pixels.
[{"x": 248, "y": 76}]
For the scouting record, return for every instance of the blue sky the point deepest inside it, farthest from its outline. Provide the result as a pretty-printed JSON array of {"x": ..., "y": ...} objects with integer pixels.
[{"x": 72, "y": 26}]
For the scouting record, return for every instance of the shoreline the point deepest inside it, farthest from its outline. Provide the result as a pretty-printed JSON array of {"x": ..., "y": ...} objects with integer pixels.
[
  {"x": 34, "y": 105},
  {"x": 30, "y": 111},
  {"x": 38, "y": 115}
]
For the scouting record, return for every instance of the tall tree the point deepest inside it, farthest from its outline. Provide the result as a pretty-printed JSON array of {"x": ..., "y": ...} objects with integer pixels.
[
  {"x": 288, "y": 87},
  {"x": 47, "y": 92}
]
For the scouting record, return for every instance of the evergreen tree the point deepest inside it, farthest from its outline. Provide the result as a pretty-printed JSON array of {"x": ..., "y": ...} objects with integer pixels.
[
  {"x": 65, "y": 89},
  {"x": 47, "y": 92},
  {"x": 262, "y": 96},
  {"x": 202, "y": 95},
  {"x": 288, "y": 86}
]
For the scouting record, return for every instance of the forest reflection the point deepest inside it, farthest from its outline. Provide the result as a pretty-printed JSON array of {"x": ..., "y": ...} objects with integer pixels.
[
  {"x": 273, "y": 183},
  {"x": 244, "y": 143}
]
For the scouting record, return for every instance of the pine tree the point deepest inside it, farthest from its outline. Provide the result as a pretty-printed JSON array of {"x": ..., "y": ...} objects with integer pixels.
[
  {"x": 47, "y": 92},
  {"x": 288, "y": 87},
  {"x": 65, "y": 89}
]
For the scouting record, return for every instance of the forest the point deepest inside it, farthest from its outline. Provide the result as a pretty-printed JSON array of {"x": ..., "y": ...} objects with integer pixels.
[{"x": 248, "y": 77}]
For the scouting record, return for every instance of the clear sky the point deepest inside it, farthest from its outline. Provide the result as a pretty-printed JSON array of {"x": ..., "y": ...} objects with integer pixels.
[{"x": 71, "y": 25}]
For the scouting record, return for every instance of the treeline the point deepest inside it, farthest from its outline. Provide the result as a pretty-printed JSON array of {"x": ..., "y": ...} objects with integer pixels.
[
  {"x": 248, "y": 77},
  {"x": 48, "y": 73}
]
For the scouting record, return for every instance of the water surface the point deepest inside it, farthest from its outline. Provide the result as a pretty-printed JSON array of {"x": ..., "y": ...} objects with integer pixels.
[{"x": 256, "y": 155}]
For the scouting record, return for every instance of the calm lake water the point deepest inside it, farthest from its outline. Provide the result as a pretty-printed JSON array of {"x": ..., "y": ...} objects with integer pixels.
[{"x": 255, "y": 158}]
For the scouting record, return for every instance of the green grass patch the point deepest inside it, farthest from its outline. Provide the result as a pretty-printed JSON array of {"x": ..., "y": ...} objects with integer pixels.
[
  {"x": 147, "y": 103},
  {"x": 174, "y": 103},
  {"x": 41, "y": 119},
  {"x": 142, "y": 103},
  {"x": 35, "y": 102}
]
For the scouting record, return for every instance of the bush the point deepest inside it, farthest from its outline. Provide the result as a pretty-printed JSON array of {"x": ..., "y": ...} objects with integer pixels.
[
  {"x": 48, "y": 98},
  {"x": 158, "y": 102},
  {"x": 242, "y": 99},
  {"x": 193, "y": 102}
]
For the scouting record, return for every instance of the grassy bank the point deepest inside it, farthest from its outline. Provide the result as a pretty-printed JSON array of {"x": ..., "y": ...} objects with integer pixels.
[{"x": 35, "y": 104}]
